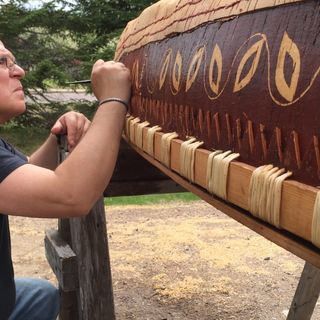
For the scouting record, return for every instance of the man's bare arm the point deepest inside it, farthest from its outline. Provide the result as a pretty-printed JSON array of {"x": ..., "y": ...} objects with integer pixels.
[{"x": 75, "y": 185}]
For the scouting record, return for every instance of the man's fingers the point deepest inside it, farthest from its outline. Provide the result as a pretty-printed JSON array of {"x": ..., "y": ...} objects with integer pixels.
[
  {"x": 77, "y": 125},
  {"x": 86, "y": 127},
  {"x": 74, "y": 124},
  {"x": 57, "y": 128},
  {"x": 72, "y": 129}
]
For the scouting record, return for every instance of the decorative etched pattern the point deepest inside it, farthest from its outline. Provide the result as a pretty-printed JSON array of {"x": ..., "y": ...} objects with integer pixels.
[
  {"x": 255, "y": 52},
  {"x": 213, "y": 72},
  {"x": 176, "y": 74},
  {"x": 194, "y": 67},
  {"x": 288, "y": 48}
]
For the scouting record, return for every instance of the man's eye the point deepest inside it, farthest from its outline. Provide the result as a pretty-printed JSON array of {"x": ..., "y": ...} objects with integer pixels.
[{"x": 3, "y": 60}]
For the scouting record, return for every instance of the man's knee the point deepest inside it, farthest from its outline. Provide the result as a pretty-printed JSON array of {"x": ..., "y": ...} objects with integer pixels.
[
  {"x": 49, "y": 292},
  {"x": 37, "y": 299},
  {"x": 49, "y": 295}
]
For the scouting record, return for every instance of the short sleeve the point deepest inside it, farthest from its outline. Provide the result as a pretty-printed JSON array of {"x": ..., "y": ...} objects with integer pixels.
[{"x": 10, "y": 159}]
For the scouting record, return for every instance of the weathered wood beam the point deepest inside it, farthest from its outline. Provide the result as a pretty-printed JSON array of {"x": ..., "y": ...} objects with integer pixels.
[
  {"x": 306, "y": 295},
  {"x": 89, "y": 242},
  {"x": 62, "y": 260},
  {"x": 69, "y": 306},
  {"x": 84, "y": 241}
]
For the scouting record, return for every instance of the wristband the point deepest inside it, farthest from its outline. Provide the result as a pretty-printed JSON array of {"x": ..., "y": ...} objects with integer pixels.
[{"x": 116, "y": 100}]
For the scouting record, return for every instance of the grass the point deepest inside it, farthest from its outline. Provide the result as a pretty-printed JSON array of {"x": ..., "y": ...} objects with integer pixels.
[{"x": 150, "y": 199}]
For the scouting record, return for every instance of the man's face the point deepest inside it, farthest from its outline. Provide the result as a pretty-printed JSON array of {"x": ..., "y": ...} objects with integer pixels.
[{"x": 12, "y": 101}]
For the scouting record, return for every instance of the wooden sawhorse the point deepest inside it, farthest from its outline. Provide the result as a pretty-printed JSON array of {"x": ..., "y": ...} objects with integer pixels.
[
  {"x": 78, "y": 251},
  {"x": 307, "y": 293}
]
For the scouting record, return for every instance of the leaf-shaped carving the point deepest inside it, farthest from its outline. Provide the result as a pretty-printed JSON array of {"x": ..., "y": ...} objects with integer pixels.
[
  {"x": 150, "y": 80},
  {"x": 255, "y": 51},
  {"x": 176, "y": 73},
  {"x": 194, "y": 67},
  {"x": 164, "y": 69},
  {"x": 216, "y": 60},
  {"x": 135, "y": 74},
  {"x": 288, "y": 48}
]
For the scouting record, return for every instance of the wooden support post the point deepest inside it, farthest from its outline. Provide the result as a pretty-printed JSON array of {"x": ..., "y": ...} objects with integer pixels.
[
  {"x": 69, "y": 301},
  {"x": 63, "y": 262},
  {"x": 89, "y": 242},
  {"x": 78, "y": 254},
  {"x": 306, "y": 295}
]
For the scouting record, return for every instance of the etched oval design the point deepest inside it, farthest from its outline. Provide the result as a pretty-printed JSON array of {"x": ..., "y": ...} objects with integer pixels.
[
  {"x": 215, "y": 64},
  {"x": 194, "y": 68},
  {"x": 164, "y": 69},
  {"x": 288, "y": 48},
  {"x": 148, "y": 76},
  {"x": 135, "y": 74},
  {"x": 255, "y": 53},
  {"x": 176, "y": 74}
]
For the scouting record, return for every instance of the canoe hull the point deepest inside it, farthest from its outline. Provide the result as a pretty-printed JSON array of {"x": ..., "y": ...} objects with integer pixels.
[{"x": 248, "y": 83}]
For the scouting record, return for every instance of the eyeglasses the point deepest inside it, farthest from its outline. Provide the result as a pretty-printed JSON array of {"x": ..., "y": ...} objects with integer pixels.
[{"x": 7, "y": 62}]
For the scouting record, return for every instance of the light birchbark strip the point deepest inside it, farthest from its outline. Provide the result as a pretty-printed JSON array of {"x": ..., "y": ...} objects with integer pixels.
[
  {"x": 166, "y": 17},
  {"x": 149, "y": 141},
  {"x": 315, "y": 229}
]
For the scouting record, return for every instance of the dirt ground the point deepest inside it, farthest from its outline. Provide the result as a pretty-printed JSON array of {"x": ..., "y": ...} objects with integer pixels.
[{"x": 180, "y": 261}]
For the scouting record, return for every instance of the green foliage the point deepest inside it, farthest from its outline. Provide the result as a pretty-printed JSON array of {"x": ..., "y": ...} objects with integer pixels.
[
  {"x": 26, "y": 140},
  {"x": 45, "y": 115},
  {"x": 60, "y": 40}
]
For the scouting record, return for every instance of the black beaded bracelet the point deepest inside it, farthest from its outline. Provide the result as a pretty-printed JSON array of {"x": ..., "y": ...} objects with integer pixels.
[{"x": 116, "y": 100}]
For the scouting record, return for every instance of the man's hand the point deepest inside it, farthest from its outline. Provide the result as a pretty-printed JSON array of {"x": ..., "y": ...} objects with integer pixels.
[
  {"x": 74, "y": 125},
  {"x": 110, "y": 80}
]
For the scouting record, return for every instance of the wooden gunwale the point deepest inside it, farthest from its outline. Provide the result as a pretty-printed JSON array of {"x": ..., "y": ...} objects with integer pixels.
[
  {"x": 301, "y": 248},
  {"x": 296, "y": 206}
]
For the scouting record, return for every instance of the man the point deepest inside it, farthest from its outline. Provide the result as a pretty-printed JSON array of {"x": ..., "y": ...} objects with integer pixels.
[{"x": 37, "y": 187}]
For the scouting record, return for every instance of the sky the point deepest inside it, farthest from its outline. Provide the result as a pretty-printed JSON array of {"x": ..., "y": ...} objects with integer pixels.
[{"x": 30, "y": 4}]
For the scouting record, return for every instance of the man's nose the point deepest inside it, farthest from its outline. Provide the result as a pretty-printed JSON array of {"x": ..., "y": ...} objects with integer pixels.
[{"x": 18, "y": 72}]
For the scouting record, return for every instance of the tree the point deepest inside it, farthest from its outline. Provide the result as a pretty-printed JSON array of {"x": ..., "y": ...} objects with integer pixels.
[{"x": 61, "y": 39}]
